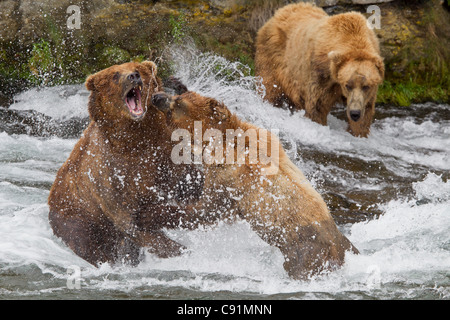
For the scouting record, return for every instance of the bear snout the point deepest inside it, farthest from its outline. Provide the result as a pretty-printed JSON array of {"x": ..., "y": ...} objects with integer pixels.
[
  {"x": 161, "y": 101},
  {"x": 133, "y": 80},
  {"x": 355, "y": 115},
  {"x": 134, "y": 77}
]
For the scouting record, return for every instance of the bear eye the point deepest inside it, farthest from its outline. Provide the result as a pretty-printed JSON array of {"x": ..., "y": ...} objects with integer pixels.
[
  {"x": 348, "y": 87},
  {"x": 365, "y": 88},
  {"x": 116, "y": 77}
]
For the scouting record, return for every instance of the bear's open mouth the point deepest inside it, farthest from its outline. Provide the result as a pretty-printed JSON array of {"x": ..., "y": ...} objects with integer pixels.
[{"x": 133, "y": 101}]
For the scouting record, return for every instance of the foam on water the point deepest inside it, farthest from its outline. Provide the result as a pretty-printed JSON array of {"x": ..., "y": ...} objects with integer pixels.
[
  {"x": 60, "y": 103},
  {"x": 405, "y": 252},
  {"x": 408, "y": 246}
]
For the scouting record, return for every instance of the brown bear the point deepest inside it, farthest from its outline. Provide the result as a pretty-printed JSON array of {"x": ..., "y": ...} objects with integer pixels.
[
  {"x": 312, "y": 61},
  {"x": 118, "y": 188},
  {"x": 274, "y": 196}
]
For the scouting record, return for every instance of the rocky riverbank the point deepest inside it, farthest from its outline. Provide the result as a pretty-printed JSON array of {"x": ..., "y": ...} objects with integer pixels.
[{"x": 38, "y": 48}]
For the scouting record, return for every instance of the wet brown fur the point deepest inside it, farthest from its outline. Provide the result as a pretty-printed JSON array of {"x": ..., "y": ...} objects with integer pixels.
[
  {"x": 313, "y": 61},
  {"x": 118, "y": 188},
  {"x": 283, "y": 208}
]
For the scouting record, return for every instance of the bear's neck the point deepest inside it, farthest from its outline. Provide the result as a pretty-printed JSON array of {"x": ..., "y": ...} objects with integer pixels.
[{"x": 136, "y": 136}]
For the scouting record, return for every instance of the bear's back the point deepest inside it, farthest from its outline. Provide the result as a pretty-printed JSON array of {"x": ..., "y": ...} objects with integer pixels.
[{"x": 350, "y": 30}]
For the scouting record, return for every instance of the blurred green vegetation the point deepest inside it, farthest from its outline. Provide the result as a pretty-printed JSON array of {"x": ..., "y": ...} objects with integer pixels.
[
  {"x": 60, "y": 56},
  {"x": 424, "y": 77}
]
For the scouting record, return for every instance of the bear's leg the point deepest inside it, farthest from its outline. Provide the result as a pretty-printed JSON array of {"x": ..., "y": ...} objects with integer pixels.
[
  {"x": 96, "y": 241},
  {"x": 272, "y": 92},
  {"x": 156, "y": 242},
  {"x": 313, "y": 249},
  {"x": 308, "y": 248},
  {"x": 315, "y": 111}
]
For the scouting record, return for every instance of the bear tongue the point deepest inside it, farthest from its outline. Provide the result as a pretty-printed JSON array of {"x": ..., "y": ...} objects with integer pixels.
[
  {"x": 137, "y": 101},
  {"x": 131, "y": 103},
  {"x": 134, "y": 103}
]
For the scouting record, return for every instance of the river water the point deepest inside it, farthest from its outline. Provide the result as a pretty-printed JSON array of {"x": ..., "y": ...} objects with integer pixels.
[{"x": 389, "y": 194}]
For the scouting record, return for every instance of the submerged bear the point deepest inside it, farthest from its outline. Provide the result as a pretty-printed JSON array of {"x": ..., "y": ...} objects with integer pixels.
[
  {"x": 118, "y": 188},
  {"x": 312, "y": 61}
]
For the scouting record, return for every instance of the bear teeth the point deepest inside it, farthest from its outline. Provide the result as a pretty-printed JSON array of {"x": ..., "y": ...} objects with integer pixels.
[{"x": 133, "y": 101}]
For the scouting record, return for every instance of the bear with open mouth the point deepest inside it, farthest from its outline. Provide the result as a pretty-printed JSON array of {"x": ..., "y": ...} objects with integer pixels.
[{"x": 118, "y": 189}]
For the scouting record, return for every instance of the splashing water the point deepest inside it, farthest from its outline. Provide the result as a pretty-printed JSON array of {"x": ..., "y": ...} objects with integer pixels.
[{"x": 390, "y": 195}]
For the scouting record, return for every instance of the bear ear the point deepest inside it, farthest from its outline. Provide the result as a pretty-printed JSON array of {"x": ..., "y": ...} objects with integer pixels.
[
  {"x": 336, "y": 59},
  {"x": 380, "y": 66},
  {"x": 90, "y": 83},
  {"x": 151, "y": 66}
]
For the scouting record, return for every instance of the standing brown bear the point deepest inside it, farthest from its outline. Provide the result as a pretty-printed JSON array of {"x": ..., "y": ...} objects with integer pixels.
[
  {"x": 312, "y": 61},
  {"x": 266, "y": 189},
  {"x": 119, "y": 188}
]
